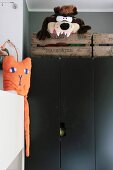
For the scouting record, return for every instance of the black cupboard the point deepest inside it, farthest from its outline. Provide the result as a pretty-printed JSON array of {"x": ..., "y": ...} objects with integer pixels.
[{"x": 75, "y": 95}]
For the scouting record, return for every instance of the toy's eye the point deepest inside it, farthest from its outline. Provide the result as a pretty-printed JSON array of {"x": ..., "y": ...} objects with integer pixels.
[
  {"x": 69, "y": 19},
  {"x": 26, "y": 71},
  {"x": 12, "y": 70},
  {"x": 59, "y": 18}
]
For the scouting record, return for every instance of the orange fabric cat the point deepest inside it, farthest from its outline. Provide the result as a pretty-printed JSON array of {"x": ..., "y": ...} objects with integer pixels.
[{"x": 16, "y": 76}]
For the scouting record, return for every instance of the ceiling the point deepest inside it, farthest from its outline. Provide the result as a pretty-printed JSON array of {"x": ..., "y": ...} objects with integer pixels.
[{"x": 82, "y": 5}]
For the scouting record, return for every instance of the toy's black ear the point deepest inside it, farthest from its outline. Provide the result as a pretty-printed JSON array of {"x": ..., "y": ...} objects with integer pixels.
[
  {"x": 57, "y": 9},
  {"x": 75, "y": 12}
]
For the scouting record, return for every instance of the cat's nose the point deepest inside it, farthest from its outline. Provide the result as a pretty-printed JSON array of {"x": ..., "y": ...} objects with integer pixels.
[{"x": 20, "y": 76}]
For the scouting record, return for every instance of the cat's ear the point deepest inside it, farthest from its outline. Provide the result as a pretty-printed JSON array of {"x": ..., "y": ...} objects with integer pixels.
[
  {"x": 8, "y": 62},
  {"x": 27, "y": 62}
]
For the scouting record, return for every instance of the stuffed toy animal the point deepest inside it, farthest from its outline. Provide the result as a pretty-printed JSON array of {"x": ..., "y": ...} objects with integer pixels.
[
  {"x": 16, "y": 77},
  {"x": 63, "y": 22}
]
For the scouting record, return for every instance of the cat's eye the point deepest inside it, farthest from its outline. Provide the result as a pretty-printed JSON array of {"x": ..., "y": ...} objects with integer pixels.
[
  {"x": 12, "y": 70},
  {"x": 26, "y": 71}
]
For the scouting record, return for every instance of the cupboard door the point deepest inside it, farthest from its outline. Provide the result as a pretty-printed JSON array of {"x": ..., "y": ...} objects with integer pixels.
[
  {"x": 77, "y": 115},
  {"x": 44, "y": 115},
  {"x": 104, "y": 113}
]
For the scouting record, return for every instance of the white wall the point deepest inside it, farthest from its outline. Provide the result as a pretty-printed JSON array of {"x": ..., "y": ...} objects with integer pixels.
[
  {"x": 11, "y": 27},
  {"x": 26, "y": 36}
]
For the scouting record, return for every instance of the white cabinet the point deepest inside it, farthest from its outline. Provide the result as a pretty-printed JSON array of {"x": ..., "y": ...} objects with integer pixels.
[{"x": 11, "y": 127}]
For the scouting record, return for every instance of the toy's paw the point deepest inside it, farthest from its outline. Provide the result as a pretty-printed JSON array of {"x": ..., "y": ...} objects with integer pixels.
[
  {"x": 84, "y": 29},
  {"x": 82, "y": 36},
  {"x": 42, "y": 35}
]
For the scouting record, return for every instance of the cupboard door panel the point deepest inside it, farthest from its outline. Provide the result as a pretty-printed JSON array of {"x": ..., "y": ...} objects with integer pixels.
[
  {"x": 44, "y": 115},
  {"x": 77, "y": 146},
  {"x": 104, "y": 113}
]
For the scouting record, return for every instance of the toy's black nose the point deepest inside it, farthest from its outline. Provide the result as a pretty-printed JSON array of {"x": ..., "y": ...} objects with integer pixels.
[{"x": 64, "y": 26}]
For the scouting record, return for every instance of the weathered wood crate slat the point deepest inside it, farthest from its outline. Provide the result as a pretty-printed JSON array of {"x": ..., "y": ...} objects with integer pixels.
[
  {"x": 102, "y": 39},
  {"x": 73, "y": 46},
  {"x": 63, "y": 51},
  {"x": 103, "y": 45},
  {"x": 103, "y": 51},
  {"x": 72, "y": 39}
]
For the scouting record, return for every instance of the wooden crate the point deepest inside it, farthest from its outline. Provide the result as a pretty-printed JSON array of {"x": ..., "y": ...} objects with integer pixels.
[
  {"x": 73, "y": 46},
  {"x": 103, "y": 45}
]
